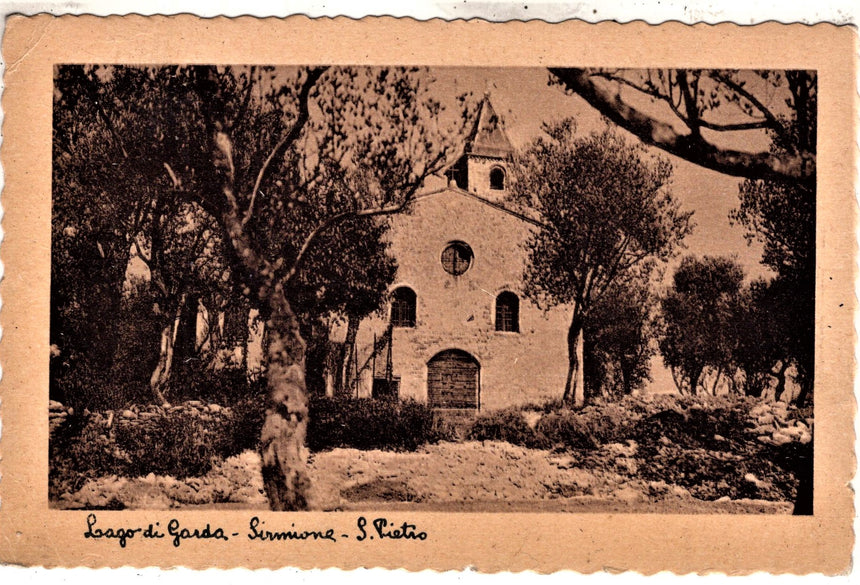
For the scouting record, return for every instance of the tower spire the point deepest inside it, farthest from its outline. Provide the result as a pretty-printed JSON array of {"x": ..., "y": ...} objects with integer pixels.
[{"x": 482, "y": 169}]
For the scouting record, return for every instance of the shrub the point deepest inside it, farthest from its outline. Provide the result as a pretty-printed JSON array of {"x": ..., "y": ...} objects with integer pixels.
[
  {"x": 78, "y": 451},
  {"x": 242, "y": 429},
  {"x": 179, "y": 444},
  {"x": 506, "y": 425},
  {"x": 225, "y": 386},
  {"x": 365, "y": 423},
  {"x": 568, "y": 429}
]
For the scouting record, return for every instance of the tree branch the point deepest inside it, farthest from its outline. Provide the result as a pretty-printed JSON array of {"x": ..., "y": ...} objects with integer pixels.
[
  {"x": 289, "y": 137},
  {"x": 691, "y": 147},
  {"x": 92, "y": 93},
  {"x": 773, "y": 122},
  {"x": 337, "y": 218},
  {"x": 646, "y": 90}
]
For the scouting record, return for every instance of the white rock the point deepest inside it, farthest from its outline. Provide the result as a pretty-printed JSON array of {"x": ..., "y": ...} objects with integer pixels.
[
  {"x": 793, "y": 432},
  {"x": 628, "y": 494},
  {"x": 749, "y": 477}
]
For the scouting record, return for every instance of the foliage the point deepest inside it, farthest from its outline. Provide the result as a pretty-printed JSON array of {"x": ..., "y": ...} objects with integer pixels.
[
  {"x": 506, "y": 425},
  {"x": 586, "y": 429},
  {"x": 605, "y": 209},
  {"x": 226, "y": 386},
  {"x": 700, "y": 320},
  {"x": 180, "y": 444},
  {"x": 778, "y": 195},
  {"x": 269, "y": 169},
  {"x": 781, "y": 215},
  {"x": 619, "y": 338},
  {"x": 132, "y": 163},
  {"x": 704, "y": 447},
  {"x": 364, "y": 423},
  {"x": 765, "y": 345},
  {"x": 558, "y": 426}
]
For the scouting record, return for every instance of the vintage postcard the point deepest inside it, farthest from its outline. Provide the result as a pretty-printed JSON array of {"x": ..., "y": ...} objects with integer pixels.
[{"x": 428, "y": 295}]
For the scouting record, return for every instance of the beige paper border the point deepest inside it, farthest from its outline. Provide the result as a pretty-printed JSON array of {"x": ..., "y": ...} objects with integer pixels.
[{"x": 30, "y": 533}]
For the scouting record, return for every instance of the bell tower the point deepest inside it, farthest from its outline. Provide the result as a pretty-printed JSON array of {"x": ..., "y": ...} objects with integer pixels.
[{"x": 483, "y": 168}]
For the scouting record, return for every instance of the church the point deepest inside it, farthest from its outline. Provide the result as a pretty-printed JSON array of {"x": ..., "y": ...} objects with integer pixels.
[{"x": 458, "y": 332}]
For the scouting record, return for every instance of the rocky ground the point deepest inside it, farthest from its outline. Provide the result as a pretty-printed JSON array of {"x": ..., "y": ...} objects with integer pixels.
[
  {"x": 470, "y": 476},
  {"x": 661, "y": 472}
]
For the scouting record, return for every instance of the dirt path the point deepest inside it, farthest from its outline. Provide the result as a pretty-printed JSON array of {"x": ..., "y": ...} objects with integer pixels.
[
  {"x": 486, "y": 476},
  {"x": 496, "y": 477}
]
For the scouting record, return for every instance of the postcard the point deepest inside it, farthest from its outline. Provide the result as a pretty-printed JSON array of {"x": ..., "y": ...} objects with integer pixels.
[{"x": 428, "y": 295}]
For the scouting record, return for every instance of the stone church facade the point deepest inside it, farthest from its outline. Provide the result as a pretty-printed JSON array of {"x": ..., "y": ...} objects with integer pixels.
[{"x": 458, "y": 332}]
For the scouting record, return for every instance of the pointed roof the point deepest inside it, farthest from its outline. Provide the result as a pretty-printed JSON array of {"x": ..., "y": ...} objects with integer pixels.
[{"x": 488, "y": 137}]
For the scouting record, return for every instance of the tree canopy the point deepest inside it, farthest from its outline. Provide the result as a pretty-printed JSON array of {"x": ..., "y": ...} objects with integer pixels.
[
  {"x": 700, "y": 320},
  {"x": 605, "y": 208},
  {"x": 291, "y": 169}
]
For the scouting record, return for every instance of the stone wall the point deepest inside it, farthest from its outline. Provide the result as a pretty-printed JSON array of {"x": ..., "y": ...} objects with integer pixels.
[{"x": 137, "y": 416}]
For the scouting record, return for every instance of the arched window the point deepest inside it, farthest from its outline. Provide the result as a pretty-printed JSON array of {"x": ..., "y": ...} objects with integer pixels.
[
  {"x": 507, "y": 312},
  {"x": 403, "y": 307},
  {"x": 457, "y": 258},
  {"x": 497, "y": 179}
]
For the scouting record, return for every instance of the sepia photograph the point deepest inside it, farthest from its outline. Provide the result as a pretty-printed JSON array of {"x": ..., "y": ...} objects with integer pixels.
[
  {"x": 438, "y": 289},
  {"x": 426, "y": 295}
]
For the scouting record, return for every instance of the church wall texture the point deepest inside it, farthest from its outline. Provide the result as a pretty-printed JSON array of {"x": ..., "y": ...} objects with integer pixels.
[{"x": 458, "y": 312}]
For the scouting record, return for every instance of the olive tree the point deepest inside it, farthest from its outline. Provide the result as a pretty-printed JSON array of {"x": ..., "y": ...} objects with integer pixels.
[{"x": 605, "y": 209}]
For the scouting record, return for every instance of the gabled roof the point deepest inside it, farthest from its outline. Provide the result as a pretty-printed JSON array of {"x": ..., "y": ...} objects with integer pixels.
[
  {"x": 488, "y": 137},
  {"x": 453, "y": 189}
]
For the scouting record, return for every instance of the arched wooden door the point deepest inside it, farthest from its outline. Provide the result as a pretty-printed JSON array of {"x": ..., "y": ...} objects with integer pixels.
[{"x": 453, "y": 380}]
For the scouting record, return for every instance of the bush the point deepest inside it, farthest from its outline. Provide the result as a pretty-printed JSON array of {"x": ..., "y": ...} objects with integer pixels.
[
  {"x": 506, "y": 425},
  {"x": 365, "y": 423},
  {"x": 182, "y": 443},
  {"x": 566, "y": 428},
  {"x": 179, "y": 444},
  {"x": 225, "y": 386},
  {"x": 78, "y": 451},
  {"x": 242, "y": 429}
]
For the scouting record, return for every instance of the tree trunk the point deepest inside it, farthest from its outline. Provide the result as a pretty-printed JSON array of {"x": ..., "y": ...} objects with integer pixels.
[
  {"x": 161, "y": 375},
  {"x": 574, "y": 388},
  {"x": 282, "y": 441},
  {"x": 780, "y": 381},
  {"x": 626, "y": 375},
  {"x": 695, "y": 375},
  {"x": 678, "y": 379},
  {"x": 214, "y": 333},
  {"x": 347, "y": 354},
  {"x": 717, "y": 380}
]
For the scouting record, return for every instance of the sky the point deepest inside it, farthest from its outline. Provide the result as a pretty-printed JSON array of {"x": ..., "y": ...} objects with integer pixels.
[{"x": 524, "y": 101}]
